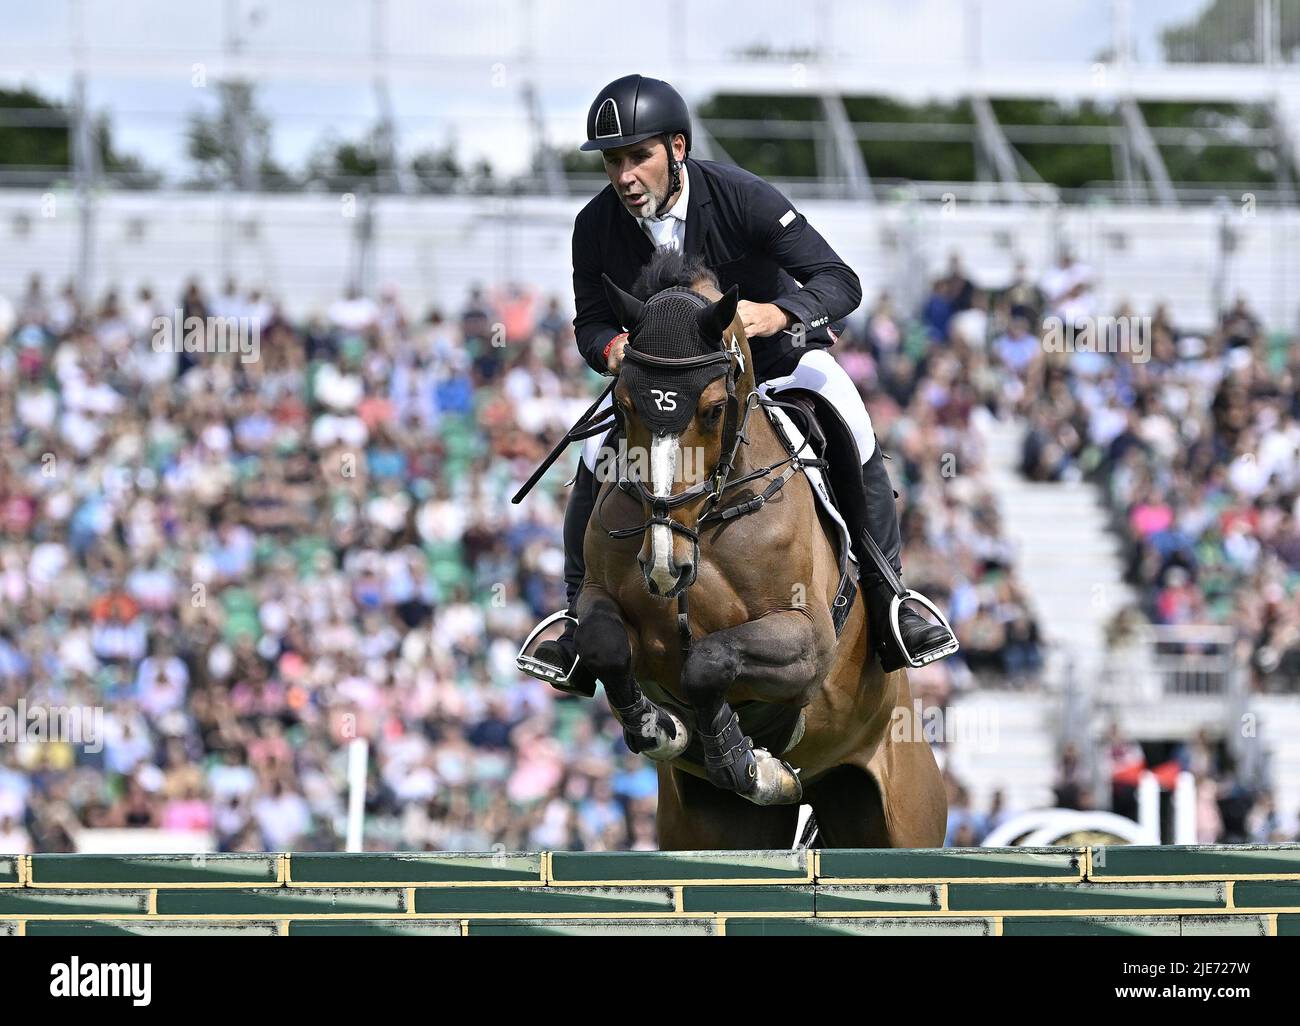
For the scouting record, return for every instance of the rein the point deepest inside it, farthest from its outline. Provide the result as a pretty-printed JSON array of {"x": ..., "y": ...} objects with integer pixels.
[{"x": 719, "y": 482}]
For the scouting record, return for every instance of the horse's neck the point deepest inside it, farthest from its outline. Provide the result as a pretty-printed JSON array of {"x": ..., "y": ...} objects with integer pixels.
[{"x": 764, "y": 446}]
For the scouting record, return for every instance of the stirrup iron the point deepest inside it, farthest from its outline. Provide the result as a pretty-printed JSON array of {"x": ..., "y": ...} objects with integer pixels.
[
  {"x": 540, "y": 669},
  {"x": 930, "y": 655}
]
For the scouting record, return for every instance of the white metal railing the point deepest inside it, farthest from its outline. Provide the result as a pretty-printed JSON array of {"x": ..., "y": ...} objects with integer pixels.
[
  {"x": 828, "y": 186},
  {"x": 1168, "y": 662},
  {"x": 301, "y": 247},
  {"x": 1172, "y": 681}
]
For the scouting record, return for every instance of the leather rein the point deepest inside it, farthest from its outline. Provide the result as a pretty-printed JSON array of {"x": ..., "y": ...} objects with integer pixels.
[{"x": 713, "y": 487}]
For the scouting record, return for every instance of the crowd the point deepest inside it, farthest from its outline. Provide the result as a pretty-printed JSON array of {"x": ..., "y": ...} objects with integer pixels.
[
  {"x": 927, "y": 382},
  {"x": 1195, "y": 441},
  {"x": 244, "y": 563}
]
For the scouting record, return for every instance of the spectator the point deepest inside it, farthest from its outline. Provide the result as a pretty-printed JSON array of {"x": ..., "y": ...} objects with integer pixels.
[{"x": 248, "y": 564}]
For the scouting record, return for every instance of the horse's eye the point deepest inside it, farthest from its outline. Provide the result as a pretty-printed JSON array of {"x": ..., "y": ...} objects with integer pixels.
[{"x": 712, "y": 415}]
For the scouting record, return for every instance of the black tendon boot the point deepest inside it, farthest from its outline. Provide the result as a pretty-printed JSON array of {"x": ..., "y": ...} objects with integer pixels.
[
  {"x": 881, "y": 572},
  {"x": 559, "y": 655}
]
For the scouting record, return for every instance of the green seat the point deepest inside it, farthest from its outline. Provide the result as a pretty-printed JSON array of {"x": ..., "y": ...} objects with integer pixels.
[
  {"x": 239, "y": 601},
  {"x": 247, "y": 469},
  {"x": 265, "y": 548},
  {"x": 304, "y": 552},
  {"x": 242, "y": 623},
  {"x": 461, "y": 439},
  {"x": 440, "y": 551},
  {"x": 1279, "y": 349},
  {"x": 450, "y": 574}
]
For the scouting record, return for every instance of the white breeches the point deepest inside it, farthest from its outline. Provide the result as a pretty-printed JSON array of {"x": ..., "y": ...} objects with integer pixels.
[{"x": 816, "y": 372}]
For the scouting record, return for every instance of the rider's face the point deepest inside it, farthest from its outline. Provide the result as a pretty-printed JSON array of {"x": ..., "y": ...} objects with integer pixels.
[{"x": 639, "y": 174}]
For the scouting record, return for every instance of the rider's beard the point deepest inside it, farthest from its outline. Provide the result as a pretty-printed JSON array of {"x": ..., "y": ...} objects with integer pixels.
[{"x": 655, "y": 203}]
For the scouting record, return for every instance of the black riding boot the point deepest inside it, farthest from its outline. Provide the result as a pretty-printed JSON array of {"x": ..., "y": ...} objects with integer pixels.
[
  {"x": 561, "y": 652},
  {"x": 925, "y": 642}
]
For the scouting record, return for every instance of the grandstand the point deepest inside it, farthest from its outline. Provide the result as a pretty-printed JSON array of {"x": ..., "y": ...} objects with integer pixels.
[{"x": 1123, "y": 604}]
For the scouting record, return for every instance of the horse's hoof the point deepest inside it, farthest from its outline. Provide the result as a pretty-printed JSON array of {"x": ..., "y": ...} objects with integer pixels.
[
  {"x": 659, "y": 735},
  {"x": 668, "y": 748},
  {"x": 777, "y": 782}
]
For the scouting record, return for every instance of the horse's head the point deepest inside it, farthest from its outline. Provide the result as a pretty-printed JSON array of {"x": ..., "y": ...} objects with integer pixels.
[{"x": 685, "y": 380}]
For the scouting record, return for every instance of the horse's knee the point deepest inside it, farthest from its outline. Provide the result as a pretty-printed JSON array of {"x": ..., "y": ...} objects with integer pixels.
[
  {"x": 709, "y": 671},
  {"x": 603, "y": 646}
]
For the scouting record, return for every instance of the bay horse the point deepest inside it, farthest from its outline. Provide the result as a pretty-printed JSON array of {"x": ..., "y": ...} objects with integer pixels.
[{"x": 747, "y": 696}]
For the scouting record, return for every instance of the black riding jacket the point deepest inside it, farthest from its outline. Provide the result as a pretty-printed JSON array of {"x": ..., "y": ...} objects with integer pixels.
[{"x": 748, "y": 233}]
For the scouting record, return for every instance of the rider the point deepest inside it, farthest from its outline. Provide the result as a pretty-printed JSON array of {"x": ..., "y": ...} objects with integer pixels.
[{"x": 751, "y": 236}]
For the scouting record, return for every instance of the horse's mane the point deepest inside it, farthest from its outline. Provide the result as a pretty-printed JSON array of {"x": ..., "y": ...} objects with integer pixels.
[
  {"x": 671, "y": 268},
  {"x": 674, "y": 335}
]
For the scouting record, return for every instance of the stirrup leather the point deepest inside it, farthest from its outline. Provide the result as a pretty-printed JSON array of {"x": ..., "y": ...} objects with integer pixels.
[{"x": 544, "y": 671}]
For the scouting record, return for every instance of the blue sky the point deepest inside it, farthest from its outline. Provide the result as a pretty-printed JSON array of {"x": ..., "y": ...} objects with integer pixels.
[{"x": 457, "y": 64}]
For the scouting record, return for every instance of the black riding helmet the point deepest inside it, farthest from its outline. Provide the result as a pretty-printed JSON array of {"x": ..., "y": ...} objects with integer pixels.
[{"x": 634, "y": 108}]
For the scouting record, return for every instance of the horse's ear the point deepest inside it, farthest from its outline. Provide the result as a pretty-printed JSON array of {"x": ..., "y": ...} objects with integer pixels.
[
  {"x": 715, "y": 318},
  {"x": 626, "y": 308}
]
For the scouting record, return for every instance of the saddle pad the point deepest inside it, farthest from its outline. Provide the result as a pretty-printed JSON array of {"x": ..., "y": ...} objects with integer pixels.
[{"x": 786, "y": 426}]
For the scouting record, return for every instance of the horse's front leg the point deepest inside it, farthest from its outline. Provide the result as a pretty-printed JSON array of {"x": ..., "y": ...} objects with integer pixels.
[
  {"x": 776, "y": 658},
  {"x": 602, "y": 640}
]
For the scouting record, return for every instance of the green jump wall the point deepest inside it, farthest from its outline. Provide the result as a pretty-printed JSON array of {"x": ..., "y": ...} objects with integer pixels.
[{"x": 986, "y": 892}]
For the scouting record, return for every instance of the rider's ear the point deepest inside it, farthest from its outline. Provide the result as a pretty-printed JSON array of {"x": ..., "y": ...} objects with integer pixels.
[
  {"x": 626, "y": 308},
  {"x": 713, "y": 320}
]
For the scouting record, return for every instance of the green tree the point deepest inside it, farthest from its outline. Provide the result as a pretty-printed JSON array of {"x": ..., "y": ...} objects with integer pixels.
[
  {"x": 775, "y": 158},
  {"x": 436, "y": 170},
  {"x": 1225, "y": 32},
  {"x": 36, "y": 135},
  {"x": 341, "y": 165},
  {"x": 1068, "y": 165},
  {"x": 1208, "y": 152},
  {"x": 232, "y": 146}
]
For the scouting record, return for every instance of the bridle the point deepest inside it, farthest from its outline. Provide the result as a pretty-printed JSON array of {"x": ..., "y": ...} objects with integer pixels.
[{"x": 711, "y": 489}]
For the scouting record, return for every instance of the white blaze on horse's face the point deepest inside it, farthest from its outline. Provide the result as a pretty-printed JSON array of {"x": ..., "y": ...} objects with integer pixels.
[{"x": 664, "y": 453}]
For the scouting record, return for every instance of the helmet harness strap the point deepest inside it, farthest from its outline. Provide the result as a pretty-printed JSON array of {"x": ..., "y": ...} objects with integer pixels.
[{"x": 674, "y": 168}]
